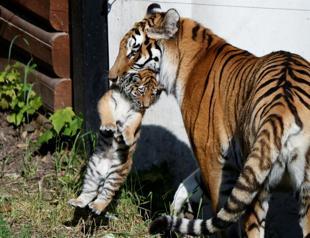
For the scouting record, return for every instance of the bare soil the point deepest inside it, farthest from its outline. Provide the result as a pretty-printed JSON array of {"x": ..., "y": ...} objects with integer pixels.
[{"x": 16, "y": 145}]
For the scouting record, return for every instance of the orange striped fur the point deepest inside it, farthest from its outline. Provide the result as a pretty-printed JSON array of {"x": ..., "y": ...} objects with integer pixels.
[{"x": 234, "y": 105}]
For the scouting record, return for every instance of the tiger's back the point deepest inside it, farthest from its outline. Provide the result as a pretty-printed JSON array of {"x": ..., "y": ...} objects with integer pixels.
[{"x": 260, "y": 103}]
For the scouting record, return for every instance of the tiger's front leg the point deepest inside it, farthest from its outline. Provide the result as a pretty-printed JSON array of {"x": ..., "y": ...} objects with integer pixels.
[
  {"x": 219, "y": 185},
  {"x": 189, "y": 190}
]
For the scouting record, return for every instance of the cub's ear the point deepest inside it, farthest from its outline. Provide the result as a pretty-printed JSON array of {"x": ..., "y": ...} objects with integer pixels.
[
  {"x": 153, "y": 8},
  {"x": 168, "y": 27}
]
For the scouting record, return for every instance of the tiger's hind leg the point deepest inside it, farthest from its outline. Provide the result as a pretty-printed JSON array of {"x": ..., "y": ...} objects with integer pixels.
[
  {"x": 91, "y": 181},
  {"x": 254, "y": 224},
  {"x": 304, "y": 199},
  {"x": 97, "y": 168}
]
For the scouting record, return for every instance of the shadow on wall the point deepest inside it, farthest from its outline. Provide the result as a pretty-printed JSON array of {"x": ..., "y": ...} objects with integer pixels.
[{"x": 158, "y": 146}]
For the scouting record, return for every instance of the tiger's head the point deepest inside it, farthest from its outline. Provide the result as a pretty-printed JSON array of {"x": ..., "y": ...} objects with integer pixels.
[
  {"x": 142, "y": 89},
  {"x": 142, "y": 47}
]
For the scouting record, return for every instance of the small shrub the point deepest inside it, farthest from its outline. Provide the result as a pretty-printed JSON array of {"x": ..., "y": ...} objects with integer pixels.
[
  {"x": 17, "y": 97},
  {"x": 65, "y": 126}
]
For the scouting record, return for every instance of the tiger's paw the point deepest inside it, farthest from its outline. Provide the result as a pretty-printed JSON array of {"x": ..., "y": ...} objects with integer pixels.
[
  {"x": 98, "y": 206},
  {"x": 76, "y": 202},
  {"x": 128, "y": 136},
  {"x": 108, "y": 127}
]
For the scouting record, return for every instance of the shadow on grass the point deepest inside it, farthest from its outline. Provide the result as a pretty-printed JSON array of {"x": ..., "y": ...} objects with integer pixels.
[{"x": 89, "y": 220}]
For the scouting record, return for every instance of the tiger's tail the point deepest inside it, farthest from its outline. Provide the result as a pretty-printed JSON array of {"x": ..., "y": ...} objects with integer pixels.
[{"x": 263, "y": 155}]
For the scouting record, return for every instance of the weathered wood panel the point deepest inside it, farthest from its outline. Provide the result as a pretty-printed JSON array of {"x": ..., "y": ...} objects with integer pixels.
[
  {"x": 55, "y": 92},
  {"x": 54, "y": 11},
  {"x": 52, "y": 48}
]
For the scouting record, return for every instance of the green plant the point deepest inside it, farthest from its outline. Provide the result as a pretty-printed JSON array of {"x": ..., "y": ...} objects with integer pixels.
[
  {"x": 16, "y": 96},
  {"x": 65, "y": 124}
]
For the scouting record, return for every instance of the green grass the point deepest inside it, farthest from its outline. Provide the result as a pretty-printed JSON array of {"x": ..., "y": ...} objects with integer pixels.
[
  {"x": 35, "y": 205},
  {"x": 4, "y": 228}
]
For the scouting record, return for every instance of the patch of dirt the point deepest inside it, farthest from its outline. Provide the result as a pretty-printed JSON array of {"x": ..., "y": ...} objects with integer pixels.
[
  {"x": 16, "y": 149},
  {"x": 11, "y": 152}
]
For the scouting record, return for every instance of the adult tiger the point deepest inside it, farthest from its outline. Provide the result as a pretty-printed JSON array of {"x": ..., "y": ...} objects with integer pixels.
[{"x": 230, "y": 100}]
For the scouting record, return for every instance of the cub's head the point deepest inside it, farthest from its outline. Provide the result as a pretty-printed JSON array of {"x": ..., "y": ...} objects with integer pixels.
[
  {"x": 141, "y": 88},
  {"x": 141, "y": 47}
]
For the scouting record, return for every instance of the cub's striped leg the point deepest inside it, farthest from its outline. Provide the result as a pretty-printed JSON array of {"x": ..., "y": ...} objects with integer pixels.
[
  {"x": 97, "y": 169},
  {"x": 116, "y": 176},
  {"x": 254, "y": 223},
  {"x": 91, "y": 181}
]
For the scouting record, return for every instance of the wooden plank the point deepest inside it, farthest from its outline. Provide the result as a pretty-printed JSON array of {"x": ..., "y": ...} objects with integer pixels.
[
  {"x": 52, "y": 48},
  {"x": 54, "y": 11},
  {"x": 55, "y": 92}
]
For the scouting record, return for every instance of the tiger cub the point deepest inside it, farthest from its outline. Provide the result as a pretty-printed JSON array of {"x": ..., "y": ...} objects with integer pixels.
[{"x": 121, "y": 110}]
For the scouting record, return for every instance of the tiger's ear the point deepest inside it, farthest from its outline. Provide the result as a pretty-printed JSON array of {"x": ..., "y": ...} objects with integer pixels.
[
  {"x": 153, "y": 8},
  {"x": 168, "y": 28}
]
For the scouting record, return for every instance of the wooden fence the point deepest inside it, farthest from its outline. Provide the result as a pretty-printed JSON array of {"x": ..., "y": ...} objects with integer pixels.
[{"x": 68, "y": 42}]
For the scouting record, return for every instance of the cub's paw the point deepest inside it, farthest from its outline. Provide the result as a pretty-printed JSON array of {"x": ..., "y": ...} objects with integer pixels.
[
  {"x": 108, "y": 127},
  {"x": 76, "y": 202},
  {"x": 128, "y": 136},
  {"x": 98, "y": 206}
]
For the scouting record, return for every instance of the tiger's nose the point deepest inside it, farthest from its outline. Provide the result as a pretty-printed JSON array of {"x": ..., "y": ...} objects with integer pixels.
[{"x": 146, "y": 106}]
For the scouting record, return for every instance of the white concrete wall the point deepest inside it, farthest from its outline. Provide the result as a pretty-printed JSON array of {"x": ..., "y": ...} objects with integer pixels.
[{"x": 257, "y": 26}]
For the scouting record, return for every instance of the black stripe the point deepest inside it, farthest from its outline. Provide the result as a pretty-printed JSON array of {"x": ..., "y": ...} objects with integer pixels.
[
  {"x": 293, "y": 110},
  {"x": 194, "y": 31},
  {"x": 298, "y": 79},
  {"x": 206, "y": 83},
  {"x": 302, "y": 101},
  {"x": 137, "y": 32},
  {"x": 178, "y": 224},
  {"x": 219, "y": 223},
  {"x": 302, "y": 91},
  {"x": 268, "y": 107},
  {"x": 203, "y": 228},
  {"x": 265, "y": 84},
  {"x": 190, "y": 227},
  {"x": 204, "y": 34},
  {"x": 209, "y": 114},
  {"x": 240, "y": 205},
  {"x": 228, "y": 59},
  {"x": 253, "y": 226},
  {"x": 147, "y": 40}
]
